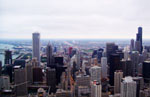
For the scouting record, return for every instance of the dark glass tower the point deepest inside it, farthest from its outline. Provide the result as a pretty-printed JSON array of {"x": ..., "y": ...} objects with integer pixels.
[
  {"x": 8, "y": 57},
  {"x": 139, "y": 38},
  {"x": 146, "y": 71},
  {"x": 49, "y": 52}
]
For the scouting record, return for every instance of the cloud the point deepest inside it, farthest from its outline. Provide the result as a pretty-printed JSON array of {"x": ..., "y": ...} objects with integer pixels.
[{"x": 74, "y": 18}]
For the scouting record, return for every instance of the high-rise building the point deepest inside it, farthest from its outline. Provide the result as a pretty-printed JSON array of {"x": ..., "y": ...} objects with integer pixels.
[
  {"x": 51, "y": 79},
  {"x": 36, "y": 46},
  {"x": 110, "y": 49},
  {"x": 132, "y": 45},
  {"x": 139, "y": 38},
  {"x": 20, "y": 80},
  {"x": 8, "y": 57},
  {"x": 135, "y": 61},
  {"x": 128, "y": 87},
  {"x": 138, "y": 46},
  {"x": 83, "y": 91},
  {"x": 126, "y": 67},
  {"x": 96, "y": 89},
  {"x": 117, "y": 81},
  {"x": 4, "y": 83},
  {"x": 114, "y": 65},
  {"x": 146, "y": 71},
  {"x": 29, "y": 73},
  {"x": 95, "y": 72},
  {"x": 49, "y": 54},
  {"x": 83, "y": 80},
  {"x": 0, "y": 68},
  {"x": 37, "y": 74},
  {"x": 104, "y": 67}
]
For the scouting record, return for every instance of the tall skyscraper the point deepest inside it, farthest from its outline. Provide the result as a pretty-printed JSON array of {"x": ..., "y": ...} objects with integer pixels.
[
  {"x": 139, "y": 37},
  {"x": 146, "y": 71},
  {"x": 95, "y": 72},
  {"x": 132, "y": 45},
  {"x": 117, "y": 82},
  {"x": 36, "y": 46},
  {"x": 104, "y": 67},
  {"x": 49, "y": 53},
  {"x": 110, "y": 49},
  {"x": 128, "y": 87},
  {"x": 96, "y": 89},
  {"x": 114, "y": 65},
  {"x": 8, "y": 57}
]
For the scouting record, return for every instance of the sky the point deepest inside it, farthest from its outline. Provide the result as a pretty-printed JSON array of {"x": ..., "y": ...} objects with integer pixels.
[{"x": 71, "y": 19}]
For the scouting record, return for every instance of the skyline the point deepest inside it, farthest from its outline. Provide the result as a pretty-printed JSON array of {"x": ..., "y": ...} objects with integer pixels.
[{"x": 74, "y": 19}]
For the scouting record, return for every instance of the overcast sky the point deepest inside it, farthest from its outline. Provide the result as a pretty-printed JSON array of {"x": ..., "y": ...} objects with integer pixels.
[{"x": 74, "y": 18}]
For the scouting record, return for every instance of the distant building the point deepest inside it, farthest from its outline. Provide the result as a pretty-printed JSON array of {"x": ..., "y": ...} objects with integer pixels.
[
  {"x": 128, "y": 87},
  {"x": 0, "y": 68},
  {"x": 132, "y": 45},
  {"x": 83, "y": 91},
  {"x": 29, "y": 72},
  {"x": 104, "y": 67},
  {"x": 139, "y": 38},
  {"x": 110, "y": 49},
  {"x": 49, "y": 53},
  {"x": 36, "y": 47},
  {"x": 4, "y": 83},
  {"x": 8, "y": 57},
  {"x": 117, "y": 81}
]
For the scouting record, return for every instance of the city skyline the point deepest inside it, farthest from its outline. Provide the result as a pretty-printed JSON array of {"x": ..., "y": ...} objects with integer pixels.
[{"x": 74, "y": 19}]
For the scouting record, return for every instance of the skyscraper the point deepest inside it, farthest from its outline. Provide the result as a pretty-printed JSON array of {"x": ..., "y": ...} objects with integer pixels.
[
  {"x": 128, "y": 87},
  {"x": 104, "y": 67},
  {"x": 96, "y": 89},
  {"x": 8, "y": 57},
  {"x": 132, "y": 45},
  {"x": 146, "y": 71},
  {"x": 49, "y": 52},
  {"x": 36, "y": 46},
  {"x": 114, "y": 65},
  {"x": 139, "y": 38},
  {"x": 117, "y": 82},
  {"x": 95, "y": 73}
]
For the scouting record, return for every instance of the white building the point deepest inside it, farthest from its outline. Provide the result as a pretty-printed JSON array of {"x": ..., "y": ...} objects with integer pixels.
[
  {"x": 128, "y": 87},
  {"x": 96, "y": 89},
  {"x": 95, "y": 72},
  {"x": 36, "y": 46},
  {"x": 117, "y": 81}
]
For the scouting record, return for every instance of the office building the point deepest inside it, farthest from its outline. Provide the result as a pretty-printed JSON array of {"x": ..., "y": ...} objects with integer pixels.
[
  {"x": 83, "y": 91},
  {"x": 110, "y": 49},
  {"x": 114, "y": 65},
  {"x": 104, "y": 67},
  {"x": 117, "y": 81},
  {"x": 83, "y": 80},
  {"x": 29, "y": 73},
  {"x": 49, "y": 53},
  {"x": 4, "y": 83},
  {"x": 36, "y": 46},
  {"x": 139, "y": 38},
  {"x": 126, "y": 66},
  {"x": 0, "y": 68},
  {"x": 37, "y": 74},
  {"x": 128, "y": 87},
  {"x": 96, "y": 89},
  {"x": 8, "y": 57},
  {"x": 95, "y": 72},
  {"x": 51, "y": 79},
  {"x": 20, "y": 80},
  {"x": 146, "y": 71},
  {"x": 132, "y": 45}
]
